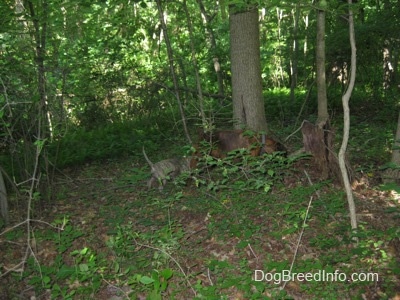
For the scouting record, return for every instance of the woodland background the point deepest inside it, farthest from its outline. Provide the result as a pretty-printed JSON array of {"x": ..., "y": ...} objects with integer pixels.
[{"x": 86, "y": 84}]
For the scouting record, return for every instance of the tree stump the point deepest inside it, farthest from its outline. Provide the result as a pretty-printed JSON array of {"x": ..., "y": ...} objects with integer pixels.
[{"x": 318, "y": 141}]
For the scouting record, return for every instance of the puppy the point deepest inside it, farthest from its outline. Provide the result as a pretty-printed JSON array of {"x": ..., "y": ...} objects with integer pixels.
[{"x": 167, "y": 168}]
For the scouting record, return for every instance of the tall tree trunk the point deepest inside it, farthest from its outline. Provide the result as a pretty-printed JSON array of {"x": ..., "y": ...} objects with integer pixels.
[
  {"x": 346, "y": 117},
  {"x": 196, "y": 69},
  {"x": 213, "y": 43},
  {"x": 40, "y": 34},
  {"x": 44, "y": 125},
  {"x": 172, "y": 69},
  {"x": 295, "y": 50},
  {"x": 318, "y": 139},
  {"x": 278, "y": 52},
  {"x": 323, "y": 115},
  {"x": 305, "y": 45},
  {"x": 248, "y": 104}
]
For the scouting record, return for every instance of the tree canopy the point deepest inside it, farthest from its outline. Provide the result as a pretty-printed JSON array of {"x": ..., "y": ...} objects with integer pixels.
[{"x": 106, "y": 61}]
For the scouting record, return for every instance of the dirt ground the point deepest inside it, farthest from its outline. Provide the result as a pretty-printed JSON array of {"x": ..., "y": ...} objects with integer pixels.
[{"x": 97, "y": 197}]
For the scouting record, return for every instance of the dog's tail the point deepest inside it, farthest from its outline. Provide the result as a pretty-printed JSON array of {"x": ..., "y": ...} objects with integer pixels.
[{"x": 147, "y": 159}]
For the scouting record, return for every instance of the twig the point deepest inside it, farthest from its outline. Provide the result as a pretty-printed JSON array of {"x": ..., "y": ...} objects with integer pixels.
[
  {"x": 16, "y": 268},
  {"x": 23, "y": 222},
  {"x": 173, "y": 259},
  {"x": 299, "y": 240},
  {"x": 302, "y": 230},
  {"x": 209, "y": 276},
  {"x": 310, "y": 182},
  {"x": 251, "y": 249},
  {"x": 118, "y": 288},
  {"x": 317, "y": 192},
  {"x": 20, "y": 266},
  {"x": 288, "y": 137}
]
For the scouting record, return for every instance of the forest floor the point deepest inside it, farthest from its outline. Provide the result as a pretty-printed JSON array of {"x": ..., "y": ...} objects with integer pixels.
[{"x": 187, "y": 242}]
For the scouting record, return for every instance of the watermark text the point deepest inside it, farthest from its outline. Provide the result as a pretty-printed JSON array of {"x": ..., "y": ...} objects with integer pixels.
[{"x": 320, "y": 275}]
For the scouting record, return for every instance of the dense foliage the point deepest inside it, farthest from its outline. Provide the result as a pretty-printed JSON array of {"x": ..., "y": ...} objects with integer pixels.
[{"x": 105, "y": 62}]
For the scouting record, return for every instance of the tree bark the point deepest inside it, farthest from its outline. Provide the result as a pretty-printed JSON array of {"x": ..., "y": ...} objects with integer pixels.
[
  {"x": 396, "y": 148},
  {"x": 323, "y": 115},
  {"x": 3, "y": 199},
  {"x": 248, "y": 104},
  {"x": 294, "y": 59},
  {"x": 319, "y": 142},
  {"x": 318, "y": 139},
  {"x": 346, "y": 117}
]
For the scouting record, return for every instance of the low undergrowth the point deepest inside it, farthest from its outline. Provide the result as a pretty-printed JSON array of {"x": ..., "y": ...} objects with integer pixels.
[
  {"x": 235, "y": 231},
  {"x": 240, "y": 172}
]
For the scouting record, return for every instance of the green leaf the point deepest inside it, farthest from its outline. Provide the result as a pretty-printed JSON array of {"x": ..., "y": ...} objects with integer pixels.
[
  {"x": 242, "y": 244},
  {"x": 83, "y": 268},
  {"x": 167, "y": 273},
  {"x": 84, "y": 251},
  {"x": 146, "y": 280},
  {"x": 65, "y": 271},
  {"x": 46, "y": 279},
  {"x": 116, "y": 267},
  {"x": 154, "y": 295}
]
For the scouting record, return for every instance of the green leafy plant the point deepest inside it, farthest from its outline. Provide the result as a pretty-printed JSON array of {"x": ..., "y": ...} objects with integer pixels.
[
  {"x": 155, "y": 284},
  {"x": 64, "y": 280},
  {"x": 239, "y": 171},
  {"x": 66, "y": 236},
  {"x": 152, "y": 252}
]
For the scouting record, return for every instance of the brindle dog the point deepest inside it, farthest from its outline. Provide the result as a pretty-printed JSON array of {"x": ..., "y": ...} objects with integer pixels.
[
  {"x": 225, "y": 141},
  {"x": 165, "y": 169}
]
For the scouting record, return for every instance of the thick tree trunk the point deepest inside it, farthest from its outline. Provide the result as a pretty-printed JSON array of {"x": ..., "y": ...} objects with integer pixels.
[{"x": 248, "y": 104}]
